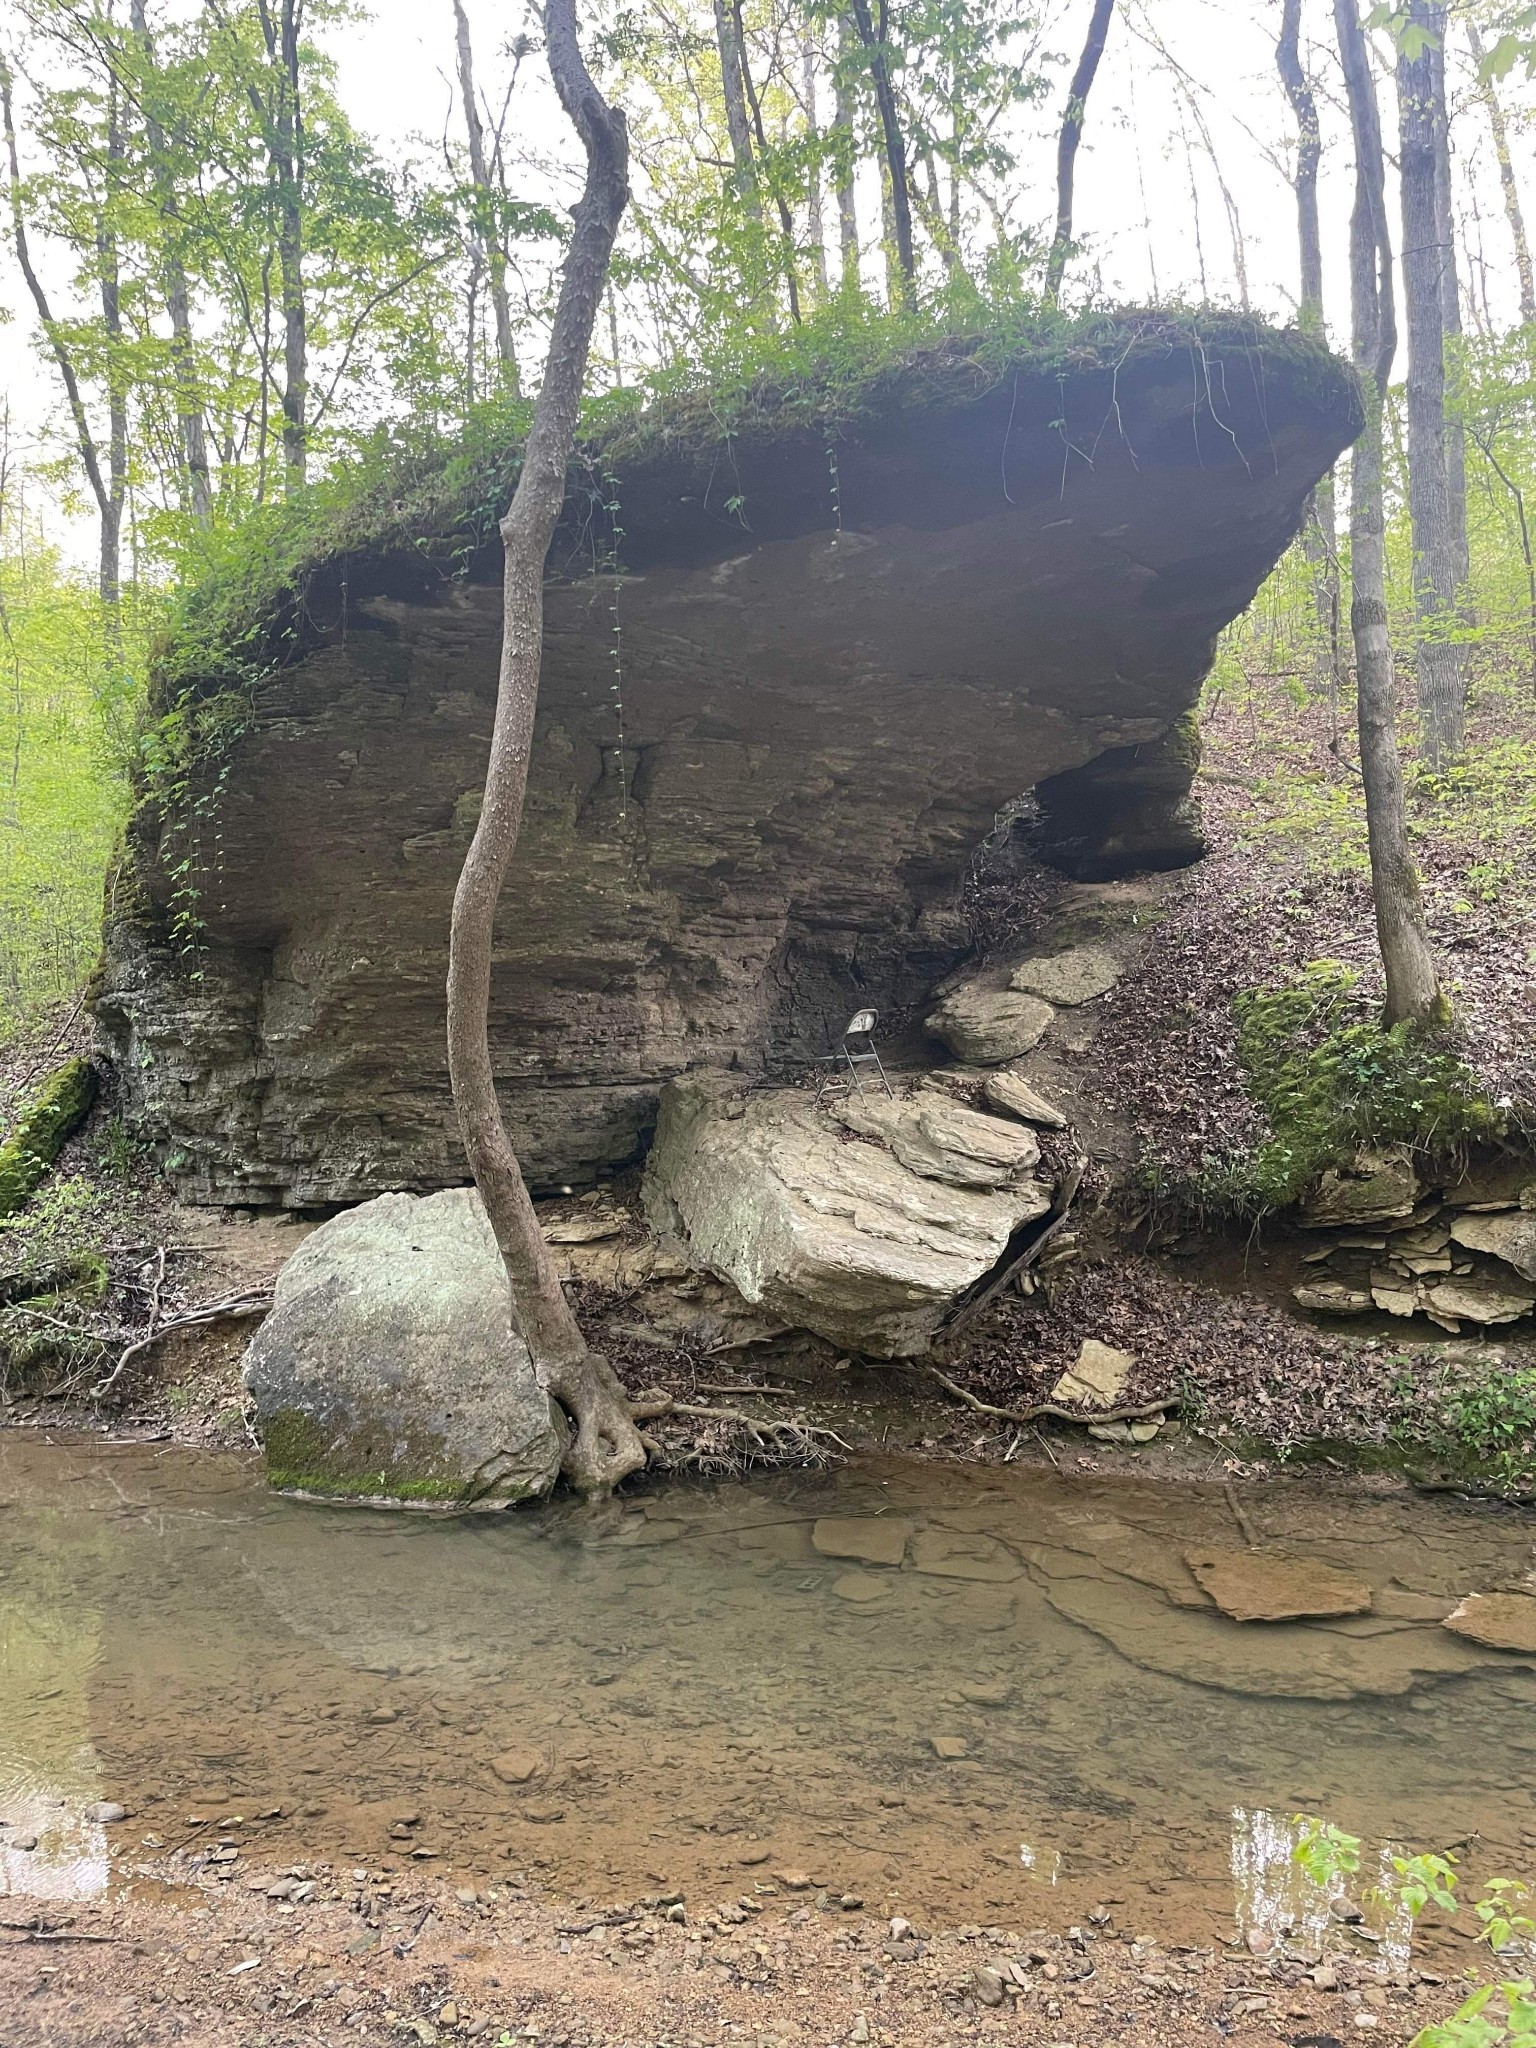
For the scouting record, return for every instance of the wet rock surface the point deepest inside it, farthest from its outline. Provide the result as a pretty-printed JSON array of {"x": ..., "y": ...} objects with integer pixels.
[
  {"x": 388, "y": 1367},
  {"x": 1253, "y": 1585},
  {"x": 825, "y": 705}
]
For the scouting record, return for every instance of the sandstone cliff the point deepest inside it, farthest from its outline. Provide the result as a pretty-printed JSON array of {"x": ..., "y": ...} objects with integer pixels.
[{"x": 792, "y": 672}]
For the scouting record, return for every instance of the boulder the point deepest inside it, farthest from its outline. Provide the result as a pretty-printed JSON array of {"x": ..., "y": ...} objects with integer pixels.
[
  {"x": 989, "y": 1025},
  {"x": 1079, "y": 975},
  {"x": 1377, "y": 1187},
  {"x": 821, "y": 1229},
  {"x": 1012, "y": 1094},
  {"x": 1256, "y": 1585},
  {"x": 1509, "y": 1235},
  {"x": 388, "y": 1368},
  {"x": 944, "y": 1140}
]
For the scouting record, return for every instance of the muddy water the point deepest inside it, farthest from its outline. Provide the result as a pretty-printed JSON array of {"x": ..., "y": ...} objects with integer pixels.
[{"x": 686, "y": 1694}]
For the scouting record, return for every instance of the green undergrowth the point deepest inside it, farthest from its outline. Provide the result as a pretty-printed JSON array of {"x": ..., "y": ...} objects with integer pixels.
[
  {"x": 1331, "y": 1078},
  {"x": 1475, "y": 1420},
  {"x": 50, "y": 1119}
]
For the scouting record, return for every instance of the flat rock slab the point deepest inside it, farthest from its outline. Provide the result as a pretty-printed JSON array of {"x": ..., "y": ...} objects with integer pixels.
[
  {"x": 1509, "y": 1235},
  {"x": 943, "y": 1554},
  {"x": 517, "y": 1766},
  {"x": 1012, "y": 1094},
  {"x": 1503, "y": 1621},
  {"x": 1480, "y": 1297},
  {"x": 941, "y": 1139},
  {"x": 990, "y": 1025},
  {"x": 873, "y": 1539},
  {"x": 1255, "y": 1585},
  {"x": 1080, "y": 975},
  {"x": 1098, "y": 1378},
  {"x": 859, "y": 1588}
]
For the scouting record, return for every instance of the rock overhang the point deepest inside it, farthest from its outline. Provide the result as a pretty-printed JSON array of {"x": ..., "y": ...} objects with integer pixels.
[{"x": 772, "y": 730}]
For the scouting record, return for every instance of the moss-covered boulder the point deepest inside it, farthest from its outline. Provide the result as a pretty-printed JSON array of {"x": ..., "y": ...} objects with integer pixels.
[
  {"x": 57, "y": 1111},
  {"x": 389, "y": 1369}
]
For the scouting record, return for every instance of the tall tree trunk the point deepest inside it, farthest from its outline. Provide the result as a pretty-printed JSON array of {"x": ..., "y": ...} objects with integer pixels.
[
  {"x": 847, "y": 157},
  {"x": 286, "y": 152},
  {"x": 817, "y": 218},
  {"x": 488, "y": 235},
  {"x": 606, "y": 1445},
  {"x": 1413, "y": 986},
  {"x": 874, "y": 35},
  {"x": 786, "y": 218},
  {"x": 1513, "y": 212},
  {"x": 1066, "y": 145},
  {"x": 190, "y": 428},
  {"x": 733, "y": 66},
  {"x": 1450, "y": 327},
  {"x": 1442, "y": 691},
  {"x": 109, "y": 277},
  {"x": 109, "y": 516},
  {"x": 1320, "y": 537}
]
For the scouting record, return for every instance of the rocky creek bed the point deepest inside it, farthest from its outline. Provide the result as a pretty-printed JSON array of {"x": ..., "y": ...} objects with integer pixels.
[{"x": 680, "y": 1769}]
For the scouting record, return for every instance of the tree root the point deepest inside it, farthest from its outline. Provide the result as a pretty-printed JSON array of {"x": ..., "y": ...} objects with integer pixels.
[
  {"x": 766, "y": 1434},
  {"x": 605, "y": 1446},
  {"x": 1026, "y": 1416}
]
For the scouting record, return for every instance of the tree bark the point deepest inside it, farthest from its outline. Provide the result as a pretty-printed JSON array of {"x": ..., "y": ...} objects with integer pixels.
[
  {"x": 786, "y": 218},
  {"x": 1442, "y": 690},
  {"x": 1450, "y": 327},
  {"x": 1413, "y": 986},
  {"x": 606, "y": 1445},
  {"x": 1320, "y": 537},
  {"x": 1513, "y": 211},
  {"x": 285, "y": 149},
  {"x": 842, "y": 123},
  {"x": 817, "y": 219},
  {"x": 1066, "y": 145},
  {"x": 874, "y": 37},
  {"x": 190, "y": 428},
  {"x": 733, "y": 64},
  {"x": 488, "y": 237}
]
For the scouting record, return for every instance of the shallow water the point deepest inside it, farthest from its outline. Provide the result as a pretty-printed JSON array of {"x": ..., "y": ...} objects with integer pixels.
[{"x": 703, "y": 1699}]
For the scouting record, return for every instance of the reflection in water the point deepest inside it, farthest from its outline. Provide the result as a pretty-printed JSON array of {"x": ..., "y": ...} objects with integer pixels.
[
  {"x": 48, "y": 1771},
  {"x": 684, "y": 1684},
  {"x": 1276, "y": 1901}
]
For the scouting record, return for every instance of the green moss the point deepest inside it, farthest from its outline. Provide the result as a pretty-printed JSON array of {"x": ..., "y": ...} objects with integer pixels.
[
  {"x": 1331, "y": 1078},
  {"x": 302, "y": 1458},
  {"x": 62, "y": 1104}
]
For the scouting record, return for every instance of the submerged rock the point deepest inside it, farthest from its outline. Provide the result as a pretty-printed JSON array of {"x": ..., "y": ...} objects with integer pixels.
[
  {"x": 817, "y": 1227},
  {"x": 872, "y": 1539},
  {"x": 1504, "y": 1621},
  {"x": 1256, "y": 1585},
  {"x": 389, "y": 1369}
]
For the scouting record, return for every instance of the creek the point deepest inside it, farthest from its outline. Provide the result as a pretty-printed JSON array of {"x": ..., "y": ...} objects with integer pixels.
[{"x": 1034, "y": 1715}]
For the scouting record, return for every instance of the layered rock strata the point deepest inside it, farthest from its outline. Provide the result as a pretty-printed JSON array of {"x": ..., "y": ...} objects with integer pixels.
[{"x": 767, "y": 747}]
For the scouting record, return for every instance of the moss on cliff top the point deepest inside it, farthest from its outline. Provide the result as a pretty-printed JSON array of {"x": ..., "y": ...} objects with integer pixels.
[{"x": 244, "y": 615}]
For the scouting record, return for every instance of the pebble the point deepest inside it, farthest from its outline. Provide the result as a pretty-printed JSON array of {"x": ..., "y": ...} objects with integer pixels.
[
  {"x": 22, "y": 1842},
  {"x": 948, "y": 1748},
  {"x": 106, "y": 1810},
  {"x": 852, "y": 1902},
  {"x": 448, "y": 2015},
  {"x": 794, "y": 1880},
  {"x": 987, "y": 1984},
  {"x": 1366, "y": 2019},
  {"x": 860, "y": 1587},
  {"x": 516, "y": 1766},
  {"x": 995, "y": 1695},
  {"x": 1325, "y": 1978},
  {"x": 382, "y": 1716}
]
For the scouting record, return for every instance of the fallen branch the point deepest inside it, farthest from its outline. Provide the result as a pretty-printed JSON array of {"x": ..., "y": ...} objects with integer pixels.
[
  {"x": 1250, "y": 1535},
  {"x": 1026, "y": 1416},
  {"x": 230, "y": 1309},
  {"x": 778, "y": 1434},
  {"x": 1011, "y": 1269}
]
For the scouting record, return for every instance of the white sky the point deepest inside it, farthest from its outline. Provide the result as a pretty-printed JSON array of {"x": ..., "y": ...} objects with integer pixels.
[{"x": 1150, "y": 209}]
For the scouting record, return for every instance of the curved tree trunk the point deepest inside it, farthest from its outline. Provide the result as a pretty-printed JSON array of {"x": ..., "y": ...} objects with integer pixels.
[
  {"x": 606, "y": 1445},
  {"x": 1413, "y": 986}
]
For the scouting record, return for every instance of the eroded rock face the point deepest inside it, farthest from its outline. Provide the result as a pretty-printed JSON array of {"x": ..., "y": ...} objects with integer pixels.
[
  {"x": 818, "y": 1227},
  {"x": 822, "y": 704},
  {"x": 388, "y": 1368}
]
